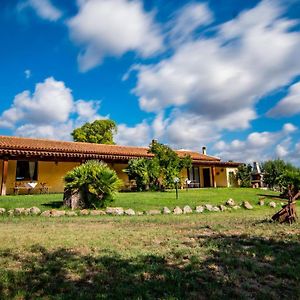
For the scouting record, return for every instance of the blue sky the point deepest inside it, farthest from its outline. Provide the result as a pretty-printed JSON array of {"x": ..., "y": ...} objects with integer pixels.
[{"x": 221, "y": 73}]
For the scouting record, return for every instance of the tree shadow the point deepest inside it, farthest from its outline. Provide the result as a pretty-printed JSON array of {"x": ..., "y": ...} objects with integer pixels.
[
  {"x": 234, "y": 267},
  {"x": 54, "y": 204}
]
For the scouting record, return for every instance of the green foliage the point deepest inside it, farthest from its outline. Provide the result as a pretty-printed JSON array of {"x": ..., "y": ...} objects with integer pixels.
[
  {"x": 99, "y": 132},
  {"x": 96, "y": 182},
  {"x": 159, "y": 171},
  {"x": 273, "y": 172},
  {"x": 290, "y": 178},
  {"x": 243, "y": 175}
]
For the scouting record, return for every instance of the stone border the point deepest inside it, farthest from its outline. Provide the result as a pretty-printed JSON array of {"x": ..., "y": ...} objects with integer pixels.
[{"x": 119, "y": 211}]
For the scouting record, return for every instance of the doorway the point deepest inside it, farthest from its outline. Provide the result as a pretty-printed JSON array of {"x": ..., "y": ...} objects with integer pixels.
[{"x": 206, "y": 177}]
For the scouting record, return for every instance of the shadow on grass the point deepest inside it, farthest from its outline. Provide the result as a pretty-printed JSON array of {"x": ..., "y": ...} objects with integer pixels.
[
  {"x": 234, "y": 267},
  {"x": 272, "y": 197},
  {"x": 54, "y": 204}
]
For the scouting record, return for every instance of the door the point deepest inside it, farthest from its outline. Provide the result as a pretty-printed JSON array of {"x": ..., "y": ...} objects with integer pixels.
[
  {"x": 193, "y": 175},
  {"x": 206, "y": 177}
]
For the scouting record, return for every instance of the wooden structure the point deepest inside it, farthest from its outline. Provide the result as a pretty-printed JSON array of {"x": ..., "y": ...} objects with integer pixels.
[{"x": 288, "y": 212}]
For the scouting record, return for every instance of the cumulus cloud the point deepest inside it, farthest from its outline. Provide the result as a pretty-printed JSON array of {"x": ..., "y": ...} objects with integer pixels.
[
  {"x": 50, "y": 111},
  {"x": 258, "y": 146},
  {"x": 138, "y": 135},
  {"x": 222, "y": 77},
  {"x": 43, "y": 8},
  {"x": 190, "y": 18},
  {"x": 112, "y": 28},
  {"x": 289, "y": 105}
]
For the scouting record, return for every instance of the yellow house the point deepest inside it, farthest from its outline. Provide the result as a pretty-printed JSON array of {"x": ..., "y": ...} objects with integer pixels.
[{"x": 39, "y": 165}]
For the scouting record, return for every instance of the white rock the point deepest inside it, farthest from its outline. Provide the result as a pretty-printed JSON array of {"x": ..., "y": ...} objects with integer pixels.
[
  {"x": 187, "y": 210},
  {"x": 2, "y": 211},
  {"x": 34, "y": 210},
  {"x": 166, "y": 210},
  {"x": 230, "y": 202},
  {"x": 117, "y": 211},
  {"x": 153, "y": 212},
  {"x": 129, "y": 212},
  {"x": 272, "y": 204},
  {"x": 199, "y": 209},
  {"x": 247, "y": 205},
  {"x": 208, "y": 207},
  {"x": 177, "y": 210}
]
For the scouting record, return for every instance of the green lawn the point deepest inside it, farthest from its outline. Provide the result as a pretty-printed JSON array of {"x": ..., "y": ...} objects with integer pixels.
[
  {"x": 223, "y": 255},
  {"x": 147, "y": 200}
]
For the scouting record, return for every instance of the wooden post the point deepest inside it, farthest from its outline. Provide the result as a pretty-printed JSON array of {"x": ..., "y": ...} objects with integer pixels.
[
  {"x": 4, "y": 177},
  {"x": 213, "y": 172}
]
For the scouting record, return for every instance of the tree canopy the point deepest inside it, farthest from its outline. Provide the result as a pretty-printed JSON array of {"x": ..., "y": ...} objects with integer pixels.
[
  {"x": 99, "y": 132},
  {"x": 160, "y": 171}
]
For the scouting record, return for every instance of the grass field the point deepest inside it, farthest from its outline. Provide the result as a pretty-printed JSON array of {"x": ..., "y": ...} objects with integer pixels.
[
  {"x": 148, "y": 200},
  {"x": 225, "y": 255}
]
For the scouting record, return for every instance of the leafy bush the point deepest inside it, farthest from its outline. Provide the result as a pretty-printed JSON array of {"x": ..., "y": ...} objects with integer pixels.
[
  {"x": 160, "y": 171},
  {"x": 95, "y": 181},
  {"x": 243, "y": 175}
]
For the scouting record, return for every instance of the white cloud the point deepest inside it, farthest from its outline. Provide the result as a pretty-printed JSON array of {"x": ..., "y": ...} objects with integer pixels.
[
  {"x": 49, "y": 112},
  {"x": 138, "y": 135},
  {"x": 258, "y": 146},
  {"x": 112, "y": 28},
  {"x": 27, "y": 74},
  {"x": 191, "y": 17},
  {"x": 43, "y": 8},
  {"x": 222, "y": 77},
  {"x": 289, "y": 105}
]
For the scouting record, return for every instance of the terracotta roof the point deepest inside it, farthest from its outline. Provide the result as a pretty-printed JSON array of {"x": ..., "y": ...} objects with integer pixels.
[{"x": 10, "y": 145}]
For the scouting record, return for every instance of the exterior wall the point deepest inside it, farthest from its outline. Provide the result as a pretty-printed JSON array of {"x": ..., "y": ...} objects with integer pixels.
[
  {"x": 228, "y": 171},
  {"x": 53, "y": 173},
  {"x": 119, "y": 170},
  {"x": 221, "y": 177},
  {"x": 1, "y": 168}
]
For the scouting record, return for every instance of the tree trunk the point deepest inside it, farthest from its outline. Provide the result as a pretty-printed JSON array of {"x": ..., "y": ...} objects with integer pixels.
[{"x": 73, "y": 199}]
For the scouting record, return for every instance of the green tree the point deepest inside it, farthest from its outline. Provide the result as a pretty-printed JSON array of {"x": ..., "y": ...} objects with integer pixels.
[
  {"x": 169, "y": 162},
  {"x": 243, "y": 175},
  {"x": 99, "y": 132},
  {"x": 273, "y": 171},
  {"x": 96, "y": 183},
  {"x": 160, "y": 171}
]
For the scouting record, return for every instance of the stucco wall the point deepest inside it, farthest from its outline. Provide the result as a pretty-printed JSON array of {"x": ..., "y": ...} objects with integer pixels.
[
  {"x": 221, "y": 177},
  {"x": 1, "y": 166}
]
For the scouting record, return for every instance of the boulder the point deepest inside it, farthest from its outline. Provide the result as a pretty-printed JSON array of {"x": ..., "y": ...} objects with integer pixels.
[
  {"x": 247, "y": 205},
  {"x": 97, "y": 212},
  {"x": 34, "y": 210},
  {"x": 177, "y": 210},
  {"x": 26, "y": 211},
  {"x": 57, "y": 213},
  {"x": 71, "y": 213},
  {"x": 18, "y": 211},
  {"x": 166, "y": 211},
  {"x": 230, "y": 202},
  {"x": 187, "y": 210},
  {"x": 215, "y": 208},
  {"x": 2, "y": 211},
  {"x": 46, "y": 213},
  {"x": 73, "y": 199},
  {"x": 199, "y": 209},
  {"x": 11, "y": 212},
  {"x": 208, "y": 207},
  {"x": 139, "y": 213},
  {"x": 153, "y": 212},
  {"x": 272, "y": 204},
  {"x": 261, "y": 202},
  {"x": 222, "y": 207},
  {"x": 129, "y": 212},
  {"x": 84, "y": 212},
  {"x": 116, "y": 211}
]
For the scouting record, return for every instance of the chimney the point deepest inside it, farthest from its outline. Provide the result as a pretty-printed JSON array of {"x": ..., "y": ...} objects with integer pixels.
[{"x": 204, "y": 150}]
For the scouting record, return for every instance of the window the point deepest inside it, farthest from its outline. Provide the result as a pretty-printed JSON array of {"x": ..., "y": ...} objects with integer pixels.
[{"x": 26, "y": 170}]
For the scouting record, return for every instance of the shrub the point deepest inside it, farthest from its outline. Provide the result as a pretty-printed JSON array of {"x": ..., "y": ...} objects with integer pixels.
[{"x": 95, "y": 181}]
